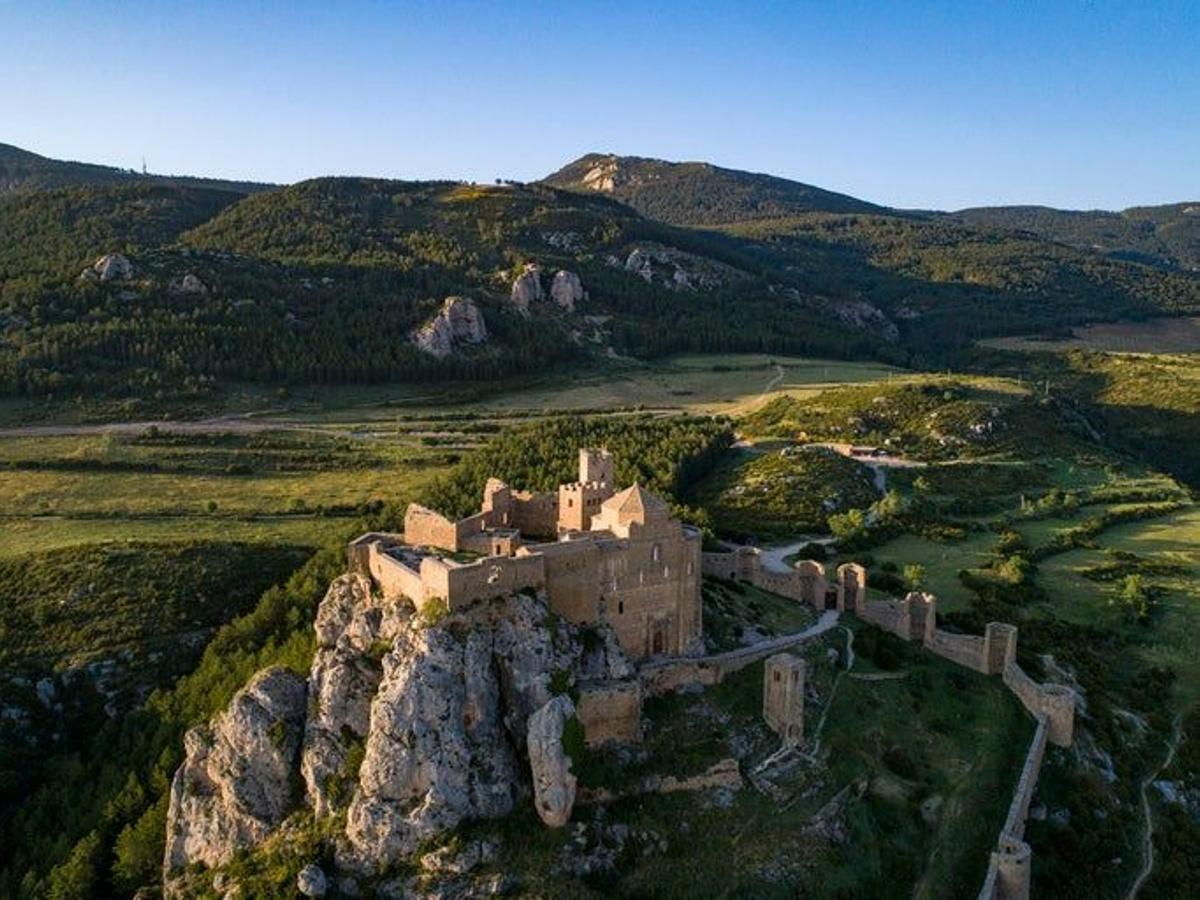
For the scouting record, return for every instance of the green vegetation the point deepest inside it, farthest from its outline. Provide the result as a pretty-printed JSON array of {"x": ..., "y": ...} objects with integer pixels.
[
  {"x": 940, "y": 808},
  {"x": 1166, "y": 235},
  {"x": 782, "y": 494},
  {"x": 290, "y": 487},
  {"x": 929, "y": 419},
  {"x": 665, "y": 455},
  {"x": 321, "y": 283},
  {"x": 733, "y": 610},
  {"x": 701, "y": 194}
]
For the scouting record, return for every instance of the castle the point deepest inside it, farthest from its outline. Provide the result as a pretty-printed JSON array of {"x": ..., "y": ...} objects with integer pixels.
[{"x": 600, "y": 555}]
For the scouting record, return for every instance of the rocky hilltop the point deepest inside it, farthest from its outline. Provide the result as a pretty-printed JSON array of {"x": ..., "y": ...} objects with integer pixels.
[{"x": 407, "y": 726}]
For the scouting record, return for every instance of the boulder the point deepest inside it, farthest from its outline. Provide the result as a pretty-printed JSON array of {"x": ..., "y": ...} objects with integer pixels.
[
  {"x": 110, "y": 267},
  {"x": 566, "y": 290},
  {"x": 311, "y": 881},
  {"x": 189, "y": 284},
  {"x": 235, "y": 784},
  {"x": 553, "y": 782},
  {"x": 527, "y": 288},
  {"x": 459, "y": 321}
]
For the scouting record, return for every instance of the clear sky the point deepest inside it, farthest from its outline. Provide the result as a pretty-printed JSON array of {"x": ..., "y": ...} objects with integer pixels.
[{"x": 938, "y": 105}]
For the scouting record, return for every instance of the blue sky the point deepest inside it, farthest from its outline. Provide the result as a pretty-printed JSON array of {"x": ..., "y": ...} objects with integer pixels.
[{"x": 938, "y": 105}]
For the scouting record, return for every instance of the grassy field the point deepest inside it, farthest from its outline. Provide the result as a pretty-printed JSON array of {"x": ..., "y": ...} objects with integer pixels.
[
  {"x": 1176, "y": 335},
  {"x": 1169, "y": 640},
  {"x": 709, "y": 383},
  {"x": 942, "y": 562},
  {"x": 281, "y": 487}
]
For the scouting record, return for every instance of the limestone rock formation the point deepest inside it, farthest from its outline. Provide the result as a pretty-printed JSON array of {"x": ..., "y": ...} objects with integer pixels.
[
  {"x": 677, "y": 270},
  {"x": 527, "y": 288},
  {"x": 553, "y": 781},
  {"x": 109, "y": 267},
  {"x": 351, "y": 627},
  {"x": 566, "y": 290},
  {"x": 189, "y": 284},
  {"x": 459, "y": 321},
  {"x": 407, "y": 728},
  {"x": 446, "y": 725},
  {"x": 235, "y": 784}
]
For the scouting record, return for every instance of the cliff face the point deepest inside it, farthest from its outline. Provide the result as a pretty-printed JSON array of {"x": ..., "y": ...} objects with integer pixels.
[{"x": 407, "y": 728}]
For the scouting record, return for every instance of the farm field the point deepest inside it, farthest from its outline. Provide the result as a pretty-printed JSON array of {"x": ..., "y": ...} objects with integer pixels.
[
  {"x": 728, "y": 384},
  {"x": 1167, "y": 335}
]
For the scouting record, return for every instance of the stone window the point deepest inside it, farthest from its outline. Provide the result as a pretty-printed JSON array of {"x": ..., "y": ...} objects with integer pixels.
[
  {"x": 620, "y": 607},
  {"x": 776, "y": 674}
]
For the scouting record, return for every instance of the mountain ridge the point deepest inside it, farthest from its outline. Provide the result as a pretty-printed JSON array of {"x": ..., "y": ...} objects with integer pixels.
[{"x": 23, "y": 171}]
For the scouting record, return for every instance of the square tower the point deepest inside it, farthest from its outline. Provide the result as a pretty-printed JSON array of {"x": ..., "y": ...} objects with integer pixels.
[
  {"x": 783, "y": 697},
  {"x": 596, "y": 466}
]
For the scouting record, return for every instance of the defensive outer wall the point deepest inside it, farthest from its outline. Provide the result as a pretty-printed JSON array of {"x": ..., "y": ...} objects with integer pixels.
[{"x": 912, "y": 618}]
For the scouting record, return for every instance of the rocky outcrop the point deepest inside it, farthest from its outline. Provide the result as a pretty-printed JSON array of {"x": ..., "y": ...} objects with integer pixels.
[
  {"x": 553, "y": 781},
  {"x": 459, "y": 321},
  {"x": 409, "y": 730},
  {"x": 235, "y": 784},
  {"x": 527, "y": 288},
  {"x": 436, "y": 753},
  {"x": 189, "y": 284},
  {"x": 566, "y": 290},
  {"x": 676, "y": 270},
  {"x": 352, "y": 631},
  {"x": 109, "y": 267}
]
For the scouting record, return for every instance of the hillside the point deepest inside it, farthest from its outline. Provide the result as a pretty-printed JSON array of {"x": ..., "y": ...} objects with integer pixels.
[
  {"x": 697, "y": 193},
  {"x": 1160, "y": 235},
  {"x": 23, "y": 172},
  {"x": 335, "y": 280}
]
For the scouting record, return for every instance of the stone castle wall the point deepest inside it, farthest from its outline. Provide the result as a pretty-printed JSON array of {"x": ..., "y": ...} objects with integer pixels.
[
  {"x": 610, "y": 711},
  {"x": 1053, "y": 701},
  {"x": 805, "y": 582},
  {"x": 1009, "y": 866}
]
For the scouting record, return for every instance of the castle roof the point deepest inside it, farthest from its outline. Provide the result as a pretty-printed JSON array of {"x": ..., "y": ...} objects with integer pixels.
[{"x": 635, "y": 503}]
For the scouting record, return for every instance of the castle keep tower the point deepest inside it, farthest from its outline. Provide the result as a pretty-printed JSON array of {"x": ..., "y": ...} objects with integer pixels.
[{"x": 580, "y": 500}]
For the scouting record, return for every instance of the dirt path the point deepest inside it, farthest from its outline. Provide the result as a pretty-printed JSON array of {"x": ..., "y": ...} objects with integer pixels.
[
  {"x": 816, "y": 745},
  {"x": 770, "y": 386},
  {"x": 217, "y": 424},
  {"x": 1148, "y": 836}
]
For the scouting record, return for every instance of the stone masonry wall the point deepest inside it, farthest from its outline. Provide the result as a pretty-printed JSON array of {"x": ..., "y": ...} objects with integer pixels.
[{"x": 610, "y": 711}]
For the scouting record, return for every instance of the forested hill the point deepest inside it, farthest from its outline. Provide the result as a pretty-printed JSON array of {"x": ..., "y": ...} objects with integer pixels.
[
  {"x": 697, "y": 193},
  {"x": 23, "y": 172},
  {"x": 1160, "y": 235},
  {"x": 329, "y": 280}
]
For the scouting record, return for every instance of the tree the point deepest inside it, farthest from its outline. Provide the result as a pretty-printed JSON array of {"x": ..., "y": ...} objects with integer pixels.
[
  {"x": 848, "y": 525},
  {"x": 76, "y": 878},
  {"x": 914, "y": 576},
  {"x": 1135, "y": 597}
]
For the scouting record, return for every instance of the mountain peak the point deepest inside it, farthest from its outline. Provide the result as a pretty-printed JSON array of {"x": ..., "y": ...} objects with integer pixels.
[{"x": 699, "y": 193}]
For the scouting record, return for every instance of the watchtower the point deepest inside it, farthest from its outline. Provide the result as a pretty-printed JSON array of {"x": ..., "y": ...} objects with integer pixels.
[{"x": 596, "y": 466}]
